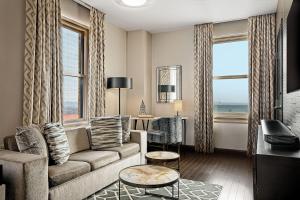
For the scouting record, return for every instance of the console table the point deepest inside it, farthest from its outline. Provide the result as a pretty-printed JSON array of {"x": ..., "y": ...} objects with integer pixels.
[
  {"x": 276, "y": 173},
  {"x": 148, "y": 119}
]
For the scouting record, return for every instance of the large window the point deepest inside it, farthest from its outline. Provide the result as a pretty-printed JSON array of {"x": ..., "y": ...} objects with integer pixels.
[
  {"x": 73, "y": 60},
  {"x": 230, "y": 84}
]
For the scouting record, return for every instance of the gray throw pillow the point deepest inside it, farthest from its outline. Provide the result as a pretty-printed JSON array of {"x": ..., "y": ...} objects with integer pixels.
[
  {"x": 126, "y": 124},
  {"x": 30, "y": 140},
  {"x": 105, "y": 132},
  {"x": 57, "y": 141}
]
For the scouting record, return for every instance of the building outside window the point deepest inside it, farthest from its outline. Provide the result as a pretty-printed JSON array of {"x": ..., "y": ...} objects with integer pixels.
[{"x": 74, "y": 45}]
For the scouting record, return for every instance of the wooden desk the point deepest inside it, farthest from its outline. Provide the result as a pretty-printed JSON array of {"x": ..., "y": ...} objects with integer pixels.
[{"x": 148, "y": 119}]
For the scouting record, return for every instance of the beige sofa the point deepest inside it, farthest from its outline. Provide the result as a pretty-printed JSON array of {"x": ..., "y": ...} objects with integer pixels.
[{"x": 28, "y": 176}]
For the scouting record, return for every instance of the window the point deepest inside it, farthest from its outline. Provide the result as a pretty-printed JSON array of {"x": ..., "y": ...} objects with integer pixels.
[
  {"x": 230, "y": 84},
  {"x": 74, "y": 62}
]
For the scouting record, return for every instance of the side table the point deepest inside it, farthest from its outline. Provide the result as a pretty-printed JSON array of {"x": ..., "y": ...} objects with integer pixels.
[{"x": 163, "y": 157}]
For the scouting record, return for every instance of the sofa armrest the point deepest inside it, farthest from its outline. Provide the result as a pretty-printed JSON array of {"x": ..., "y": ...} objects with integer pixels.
[
  {"x": 25, "y": 175},
  {"x": 140, "y": 137}
]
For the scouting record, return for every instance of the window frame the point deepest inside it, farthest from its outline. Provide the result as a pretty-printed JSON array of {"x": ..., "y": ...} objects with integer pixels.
[
  {"x": 233, "y": 117},
  {"x": 84, "y": 31}
]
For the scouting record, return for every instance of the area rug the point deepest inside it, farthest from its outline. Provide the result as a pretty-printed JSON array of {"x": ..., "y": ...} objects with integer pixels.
[{"x": 189, "y": 189}]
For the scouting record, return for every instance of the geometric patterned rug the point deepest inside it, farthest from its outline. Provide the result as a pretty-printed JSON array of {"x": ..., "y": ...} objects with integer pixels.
[{"x": 194, "y": 190}]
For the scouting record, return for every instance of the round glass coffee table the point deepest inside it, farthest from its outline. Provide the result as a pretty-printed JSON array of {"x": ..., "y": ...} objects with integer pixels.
[
  {"x": 163, "y": 157},
  {"x": 150, "y": 176}
]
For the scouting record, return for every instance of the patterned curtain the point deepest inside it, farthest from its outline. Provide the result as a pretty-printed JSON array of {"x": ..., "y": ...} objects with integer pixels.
[
  {"x": 42, "y": 68},
  {"x": 203, "y": 128},
  {"x": 261, "y": 74},
  {"x": 96, "y": 61}
]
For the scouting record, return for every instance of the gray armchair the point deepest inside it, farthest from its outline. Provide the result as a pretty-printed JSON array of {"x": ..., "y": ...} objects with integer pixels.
[{"x": 166, "y": 131}]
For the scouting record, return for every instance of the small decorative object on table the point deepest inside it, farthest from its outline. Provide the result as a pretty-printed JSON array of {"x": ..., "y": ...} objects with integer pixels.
[
  {"x": 142, "y": 111},
  {"x": 150, "y": 176},
  {"x": 162, "y": 157}
]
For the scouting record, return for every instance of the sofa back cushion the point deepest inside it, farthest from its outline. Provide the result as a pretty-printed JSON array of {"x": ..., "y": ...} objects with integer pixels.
[
  {"x": 10, "y": 143},
  {"x": 31, "y": 140},
  {"x": 78, "y": 140},
  {"x": 105, "y": 132}
]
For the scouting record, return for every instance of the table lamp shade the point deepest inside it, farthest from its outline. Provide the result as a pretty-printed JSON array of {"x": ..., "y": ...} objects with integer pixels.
[
  {"x": 119, "y": 82},
  {"x": 178, "y": 106}
]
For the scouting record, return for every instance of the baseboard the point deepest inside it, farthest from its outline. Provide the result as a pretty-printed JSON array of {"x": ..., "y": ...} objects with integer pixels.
[
  {"x": 191, "y": 148},
  {"x": 232, "y": 151},
  {"x": 217, "y": 150}
]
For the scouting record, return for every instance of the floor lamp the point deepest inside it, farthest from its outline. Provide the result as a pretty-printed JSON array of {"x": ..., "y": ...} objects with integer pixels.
[{"x": 119, "y": 83}]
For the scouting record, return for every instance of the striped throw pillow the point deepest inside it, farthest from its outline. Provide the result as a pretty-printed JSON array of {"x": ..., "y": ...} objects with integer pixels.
[
  {"x": 105, "y": 132},
  {"x": 126, "y": 124},
  {"x": 57, "y": 142}
]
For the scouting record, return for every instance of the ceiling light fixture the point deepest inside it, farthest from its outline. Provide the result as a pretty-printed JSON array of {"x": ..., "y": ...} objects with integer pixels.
[{"x": 132, "y": 3}]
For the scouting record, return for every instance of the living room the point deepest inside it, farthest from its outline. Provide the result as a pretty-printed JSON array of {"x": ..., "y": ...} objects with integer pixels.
[{"x": 148, "y": 99}]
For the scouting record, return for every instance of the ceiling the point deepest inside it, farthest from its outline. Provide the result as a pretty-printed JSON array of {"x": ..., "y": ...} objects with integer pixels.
[{"x": 168, "y": 15}]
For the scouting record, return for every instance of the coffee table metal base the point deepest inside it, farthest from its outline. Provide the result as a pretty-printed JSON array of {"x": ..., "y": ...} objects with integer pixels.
[{"x": 157, "y": 195}]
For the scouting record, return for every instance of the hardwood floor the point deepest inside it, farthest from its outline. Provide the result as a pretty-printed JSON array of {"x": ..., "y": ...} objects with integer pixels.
[{"x": 231, "y": 170}]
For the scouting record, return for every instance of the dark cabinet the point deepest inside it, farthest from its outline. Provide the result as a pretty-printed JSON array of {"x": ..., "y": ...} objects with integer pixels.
[{"x": 276, "y": 173}]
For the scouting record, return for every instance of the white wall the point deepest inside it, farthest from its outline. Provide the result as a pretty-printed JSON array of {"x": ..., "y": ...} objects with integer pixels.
[
  {"x": 176, "y": 47},
  {"x": 231, "y": 136},
  {"x": 12, "y": 35},
  {"x": 138, "y": 67}
]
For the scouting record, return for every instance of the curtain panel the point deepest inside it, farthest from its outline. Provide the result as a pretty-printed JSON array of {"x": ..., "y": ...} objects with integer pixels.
[
  {"x": 262, "y": 38},
  {"x": 203, "y": 124},
  {"x": 42, "y": 101},
  {"x": 97, "y": 84}
]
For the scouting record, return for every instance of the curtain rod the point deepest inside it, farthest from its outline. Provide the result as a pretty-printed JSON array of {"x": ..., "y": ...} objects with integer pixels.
[{"x": 83, "y": 4}]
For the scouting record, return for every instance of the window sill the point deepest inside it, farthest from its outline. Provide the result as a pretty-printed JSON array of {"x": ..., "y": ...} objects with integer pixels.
[
  {"x": 238, "y": 118},
  {"x": 71, "y": 125},
  {"x": 231, "y": 121}
]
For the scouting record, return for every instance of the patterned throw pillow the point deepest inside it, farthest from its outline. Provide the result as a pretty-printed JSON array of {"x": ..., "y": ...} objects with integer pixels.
[
  {"x": 57, "y": 141},
  {"x": 126, "y": 124},
  {"x": 105, "y": 132},
  {"x": 30, "y": 140}
]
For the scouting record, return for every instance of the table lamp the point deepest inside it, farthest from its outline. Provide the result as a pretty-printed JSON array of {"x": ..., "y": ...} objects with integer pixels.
[
  {"x": 178, "y": 106},
  {"x": 118, "y": 83}
]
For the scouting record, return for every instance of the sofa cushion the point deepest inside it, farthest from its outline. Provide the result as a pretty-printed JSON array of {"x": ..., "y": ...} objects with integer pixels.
[
  {"x": 30, "y": 140},
  {"x": 105, "y": 132},
  {"x": 96, "y": 159},
  {"x": 126, "y": 150},
  {"x": 59, "y": 174},
  {"x": 78, "y": 140}
]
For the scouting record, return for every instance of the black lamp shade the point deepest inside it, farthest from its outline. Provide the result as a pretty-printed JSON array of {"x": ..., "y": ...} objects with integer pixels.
[
  {"x": 119, "y": 82},
  {"x": 166, "y": 88}
]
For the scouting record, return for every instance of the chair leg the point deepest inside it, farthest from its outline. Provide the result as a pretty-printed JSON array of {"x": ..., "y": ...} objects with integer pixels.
[{"x": 179, "y": 148}]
